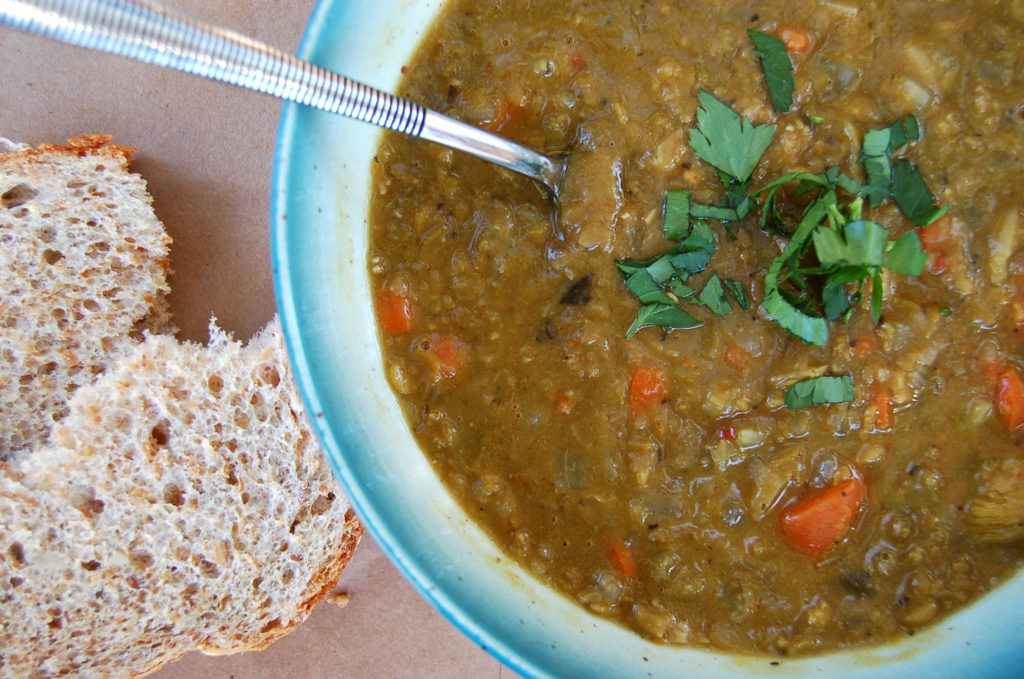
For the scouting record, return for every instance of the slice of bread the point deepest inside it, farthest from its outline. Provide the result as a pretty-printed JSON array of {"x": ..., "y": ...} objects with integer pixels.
[
  {"x": 157, "y": 497},
  {"x": 184, "y": 505},
  {"x": 83, "y": 260}
]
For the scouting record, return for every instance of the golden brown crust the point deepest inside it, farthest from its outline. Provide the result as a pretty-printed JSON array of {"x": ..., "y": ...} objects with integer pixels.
[
  {"x": 83, "y": 145},
  {"x": 326, "y": 580}
]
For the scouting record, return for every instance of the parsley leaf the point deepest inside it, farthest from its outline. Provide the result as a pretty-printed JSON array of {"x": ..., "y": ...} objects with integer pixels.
[
  {"x": 646, "y": 289},
  {"x": 905, "y": 255},
  {"x": 726, "y": 140},
  {"x": 739, "y": 293},
  {"x": 860, "y": 243},
  {"x": 809, "y": 329},
  {"x": 677, "y": 215},
  {"x": 713, "y": 296},
  {"x": 903, "y": 131},
  {"x": 818, "y": 391},
  {"x": 876, "y": 298},
  {"x": 668, "y": 316},
  {"x": 778, "y": 69},
  {"x": 835, "y": 299},
  {"x": 874, "y": 156},
  {"x": 913, "y": 196}
]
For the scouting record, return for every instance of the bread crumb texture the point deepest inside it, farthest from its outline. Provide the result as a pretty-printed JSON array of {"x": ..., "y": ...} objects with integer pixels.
[
  {"x": 83, "y": 259},
  {"x": 181, "y": 502}
]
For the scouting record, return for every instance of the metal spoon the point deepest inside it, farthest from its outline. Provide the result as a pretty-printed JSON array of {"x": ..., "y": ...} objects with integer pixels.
[{"x": 154, "y": 34}]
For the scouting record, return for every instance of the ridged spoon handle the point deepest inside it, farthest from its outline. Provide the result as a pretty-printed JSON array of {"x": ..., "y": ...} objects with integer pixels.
[{"x": 152, "y": 33}]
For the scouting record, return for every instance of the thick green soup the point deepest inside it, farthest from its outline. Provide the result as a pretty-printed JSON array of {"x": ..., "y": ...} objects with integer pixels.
[{"x": 756, "y": 384}]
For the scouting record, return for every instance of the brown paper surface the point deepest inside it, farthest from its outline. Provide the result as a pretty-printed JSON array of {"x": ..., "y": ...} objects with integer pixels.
[{"x": 206, "y": 150}]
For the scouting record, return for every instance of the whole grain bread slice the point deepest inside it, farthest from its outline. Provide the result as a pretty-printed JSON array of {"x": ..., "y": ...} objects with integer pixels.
[
  {"x": 184, "y": 505},
  {"x": 156, "y": 497},
  {"x": 83, "y": 260}
]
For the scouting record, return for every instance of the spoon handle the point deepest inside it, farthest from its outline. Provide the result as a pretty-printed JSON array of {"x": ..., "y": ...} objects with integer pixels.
[{"x": 149, "y": 32}]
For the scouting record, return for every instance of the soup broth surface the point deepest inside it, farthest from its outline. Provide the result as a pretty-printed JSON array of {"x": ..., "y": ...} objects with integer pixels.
[{"x": 661, "y": 480}]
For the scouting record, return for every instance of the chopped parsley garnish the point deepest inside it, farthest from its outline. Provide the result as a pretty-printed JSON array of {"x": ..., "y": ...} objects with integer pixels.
[
  {"x": 818, "y": 391},
  {"x": 727, "y": 140},
  {"x": 713, "y": 296},
  {"x": 738, "y": 292},
  {"x": 834, "y": 254},
  {"x": 665, "y": 315},
  {"x": 778, "y": 69},
  {"x": 912, "y": 194}
]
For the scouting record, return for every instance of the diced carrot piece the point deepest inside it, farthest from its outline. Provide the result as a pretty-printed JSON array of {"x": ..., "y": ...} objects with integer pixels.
[
  {"x": 864, "y": 345},
  {"x": 882, "y": 401},
  {"x": 939, "y": 263},
  {"x": 646, "y": 388},
  {"x": 990, "y": 370},
  {"x": 817, "y": 523},
  {"x": 1010, "y": 398},
  {"x": 503, "y": 116},
  {"x": 936, "y": 236},
  {"x": 622, "y": 557},
  {"x": 394, "y": 311},
  {"x": 565, "y": 402},
  {"x": 445, "y": 355},
  {"x": 796, "y": 38},
  {"x": 736, "y": 356}
]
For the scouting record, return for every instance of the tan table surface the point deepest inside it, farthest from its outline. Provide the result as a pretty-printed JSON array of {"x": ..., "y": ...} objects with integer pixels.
[{"x": 206, "y": 150}]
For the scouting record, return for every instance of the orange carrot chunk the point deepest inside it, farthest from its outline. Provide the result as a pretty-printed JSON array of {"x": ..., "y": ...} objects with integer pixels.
[
  {"x": 796, "y": 38},
  {"x": 1010, "y": 398},
  {"x": 622, "y": 557},
  {"x": 817, "y": 523},
  {"x": 565, "y": 402},
  {"x": 882, "y": 400},
  {"x": 444, "y": 355},
  {"x": 936, "y": 236},
  {"x": 646, "y": 388},
  {"x": 864, "y": 346},
  {"x": 737, "y": 356},
  {"x": 394, "y": 311}
]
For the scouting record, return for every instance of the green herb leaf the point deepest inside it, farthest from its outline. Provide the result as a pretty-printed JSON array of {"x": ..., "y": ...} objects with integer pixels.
[
  {"x": 835, "y": 299},
  {"x": 903, "y": 131},
  {"x": 646, "y": 289},
  {"x": 677, "y": 215},
  {"x": 818, "y": 391},
  {"x": 809, "y": 329},
  {"x": 725, "y": 214},
  {"x": 680, "y": 289},
  {"x": 726, "y": 140},
  {"x": 668, "y": 316},
  {"x": 778, "y": 69},
  {"x": 739, "y": 293},
  {"x": 874, "y": 156},
  {"x": 701, "y": 238},
  {"x": 912, "y": 194},
  {"x": 905, "y": 255},
  {"x": 876, "y": 298},
  {"x": 713, "y": 296},
  {"x": 862, "y": 244}
]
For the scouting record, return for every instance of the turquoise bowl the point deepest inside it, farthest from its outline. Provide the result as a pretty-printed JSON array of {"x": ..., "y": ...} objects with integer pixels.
[{"x": 320, "y": 196}]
